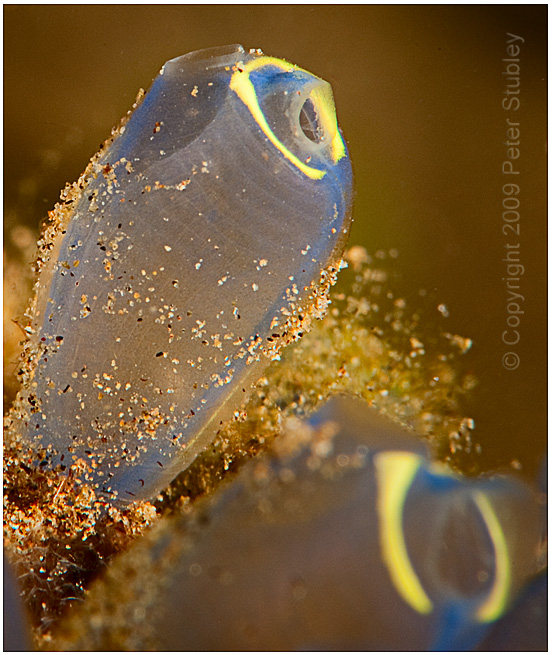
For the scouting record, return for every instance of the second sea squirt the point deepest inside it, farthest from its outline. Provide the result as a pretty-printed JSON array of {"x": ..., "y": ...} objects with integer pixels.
[
  {"x": 343, "y": 536},
  {"x": 200, "y": 240}
]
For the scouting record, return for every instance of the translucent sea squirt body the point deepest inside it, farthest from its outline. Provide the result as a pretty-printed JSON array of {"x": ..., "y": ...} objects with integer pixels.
[{"x": 200, "y": 240}]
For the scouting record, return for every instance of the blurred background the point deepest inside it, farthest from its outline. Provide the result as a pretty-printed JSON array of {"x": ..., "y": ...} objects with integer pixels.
[{"x": 419, "y": 93}]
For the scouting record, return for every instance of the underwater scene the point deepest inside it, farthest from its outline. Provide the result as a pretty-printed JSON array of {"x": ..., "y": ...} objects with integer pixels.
[{"x": 275, "y": 328}]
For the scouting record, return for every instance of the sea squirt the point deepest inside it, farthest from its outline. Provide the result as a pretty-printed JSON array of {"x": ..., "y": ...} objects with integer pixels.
[
  {"x": 201, "y": 239},
  {"x": 343, "y": 536}
]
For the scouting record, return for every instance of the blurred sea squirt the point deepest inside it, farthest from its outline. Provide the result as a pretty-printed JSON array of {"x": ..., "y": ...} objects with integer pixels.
[
  {"x": 199, "y": 241},
  {"x": 343, "y": 536}
]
